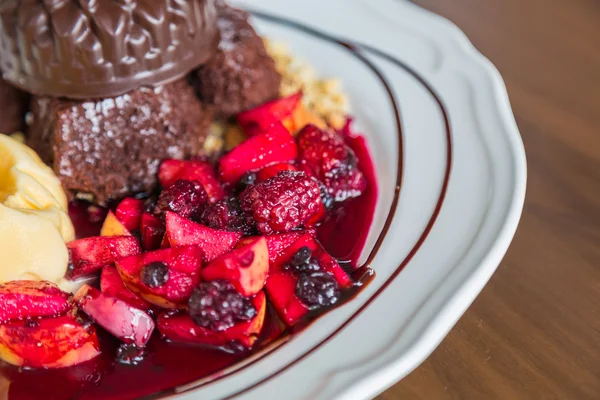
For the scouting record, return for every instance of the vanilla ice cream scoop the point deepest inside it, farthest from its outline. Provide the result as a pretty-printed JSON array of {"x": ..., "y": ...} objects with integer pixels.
[{"x": 34, "y": 221}]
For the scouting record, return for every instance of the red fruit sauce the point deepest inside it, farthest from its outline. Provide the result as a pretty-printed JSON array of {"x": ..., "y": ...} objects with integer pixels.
[{"x": 168, "y": 365}]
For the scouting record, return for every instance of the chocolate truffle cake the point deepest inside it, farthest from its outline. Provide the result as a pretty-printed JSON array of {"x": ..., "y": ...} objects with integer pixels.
[
  {"x": 112, "y": 147},
  {"x": 13, "y": 104},
  {"x": 241, "y": 75}
]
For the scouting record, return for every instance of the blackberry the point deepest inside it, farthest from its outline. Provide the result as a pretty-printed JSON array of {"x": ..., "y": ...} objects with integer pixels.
[
  {"x": 227, "y": 215},
  {"x": 155, "y": 274},
  {"x": 216, "y": 305},
  {"x": 186, "y": 198},
  {"x": 302, "y": 262},
  {"x": 317, "y": 289}
]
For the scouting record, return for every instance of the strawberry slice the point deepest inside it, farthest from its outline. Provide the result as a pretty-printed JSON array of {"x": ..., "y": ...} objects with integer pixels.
[
  {"x": 264, "y": 116},
  {"x": 129, "y": 213},
  {"x": 272, "y": 170},
  {"x": 275, "y": 145},
  {"x": 90, "y": 255},
  {"x": 212, "y": 242}
]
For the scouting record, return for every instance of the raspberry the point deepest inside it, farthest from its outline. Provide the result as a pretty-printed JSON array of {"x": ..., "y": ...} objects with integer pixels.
[
  {"x": 317, "y": 289},
  {"x": 228, "y": 216},
  {"x": 290, "y": 200},
  {"x": 216, "y": 305},
  {"x": 325, "y": 155},
  {"x": 186, "y": 198}
]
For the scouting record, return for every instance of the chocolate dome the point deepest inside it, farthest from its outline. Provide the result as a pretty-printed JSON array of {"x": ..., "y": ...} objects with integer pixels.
[{"x": 83, "y": 49}]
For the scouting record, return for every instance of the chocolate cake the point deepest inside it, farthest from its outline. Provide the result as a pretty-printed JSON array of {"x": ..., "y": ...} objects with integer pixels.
[
  {"x": 13, "y": 104},
  {"x": 241, "y": 75},
  {"x": 112, "y": 147}
]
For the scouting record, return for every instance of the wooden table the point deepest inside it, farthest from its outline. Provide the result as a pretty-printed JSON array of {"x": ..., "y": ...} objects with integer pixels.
[{"x": 534, "y": 332}]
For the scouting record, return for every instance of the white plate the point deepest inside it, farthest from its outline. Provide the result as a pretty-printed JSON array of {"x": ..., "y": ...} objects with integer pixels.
[{"x": 460, "y": 199}]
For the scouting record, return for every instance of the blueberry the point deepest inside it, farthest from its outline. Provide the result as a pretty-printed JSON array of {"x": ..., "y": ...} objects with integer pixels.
[{"x": 155, "y": 274}]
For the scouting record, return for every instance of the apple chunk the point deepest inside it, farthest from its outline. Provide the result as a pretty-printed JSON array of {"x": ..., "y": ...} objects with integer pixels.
[
  {"x": 245, "y": 268},
  {"x": 127, "y": 323},
  {"x": 112, "y": 285},
  {"x": 28, "y": 299},
  {"x": 179, "y": 273},
  {"x": 213, "y": 242},
  {"x": 182, "y": 328},
  {"x": 48, "y": 342},
  {"x": 91, "y": 254},
  {"x": 113, "y": 227}
]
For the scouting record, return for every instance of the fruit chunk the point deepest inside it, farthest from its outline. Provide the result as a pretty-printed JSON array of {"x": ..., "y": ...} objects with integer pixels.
[
  {"x": 91, "y": 254},
  {"x": 112, "y": 285},
  {"x": 129, "y": 212},
  {"x": 272, "y": 170},
  {"x": 181, "y": 328},
  {"x": 295, "y": 289},
  {"x": 288, "y": 201},
  {"x": 28, "y": 299},
  {"x": 113, "y": 227},
  {"x": 153, "y": 232},
  {"x": 183, "y": 265},
  {"x": 264, "y": 116},
  {"x": 302, "y": 116},
  {"x": 127, "y": 323},
  {"x": 171, "y": 171},
  {"x": 48, "y": 342},
  {"x": 186, "y": 198},
  {"x": 275, "y": 243},
  {"x": 324, "y": 155},
  {"x": 212, "y": 242},
  {"x": 245, "y": 268},
  {"x": 275, "y": 145}
]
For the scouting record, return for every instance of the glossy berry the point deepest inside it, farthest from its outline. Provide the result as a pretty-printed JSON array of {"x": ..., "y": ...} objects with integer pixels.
[
  {"x": 317, "y": 289},
  {"x": 302, "y": 262},
  {"x": 155, "y": 274},
  {"x": 325, "y": 155},
  {"x": 227, "y": 215},
  {"x": 130, "y": 354},
  {"x": 186, "y": 198},
  {"x": 216, "y": 305},
  {"x": 288, "y": 201}
]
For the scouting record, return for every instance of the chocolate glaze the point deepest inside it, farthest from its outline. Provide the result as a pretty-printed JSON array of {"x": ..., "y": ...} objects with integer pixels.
[{"x": 103, "y": 48}]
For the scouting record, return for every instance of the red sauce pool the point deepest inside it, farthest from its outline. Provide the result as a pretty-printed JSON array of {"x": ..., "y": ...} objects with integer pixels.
[{"x": 168, "y": 365}]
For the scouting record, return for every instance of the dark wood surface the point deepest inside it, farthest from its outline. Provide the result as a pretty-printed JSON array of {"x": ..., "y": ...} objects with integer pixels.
[{"x": 534, "y": 332}]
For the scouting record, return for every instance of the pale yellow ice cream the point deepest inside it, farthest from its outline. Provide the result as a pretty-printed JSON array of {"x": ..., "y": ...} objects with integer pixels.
[{"x": 34, "y": 223}]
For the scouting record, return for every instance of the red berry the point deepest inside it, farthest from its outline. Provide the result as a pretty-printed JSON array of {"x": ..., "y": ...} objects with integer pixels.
[
  {"x": 228, "y": 216},
  {"x": 186, "y": 198},
  {"x": 325, "y": 155},
  {"x": 288, "y": 201}
]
